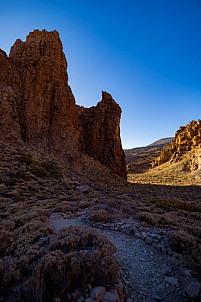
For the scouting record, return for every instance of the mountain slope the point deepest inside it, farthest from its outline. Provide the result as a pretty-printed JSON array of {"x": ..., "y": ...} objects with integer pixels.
[
  {"x": 187, "y": 140},
  {"x": 139, "y": 160}
]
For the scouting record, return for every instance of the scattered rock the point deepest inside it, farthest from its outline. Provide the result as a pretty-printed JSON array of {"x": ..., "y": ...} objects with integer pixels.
[
  {"x": 80, "y": 299},
  {"x": 119, "y": 287},
  {"x": 89, "y": 300},
  {"x": 83, "y": 189},
  {"x": 193, "y": 288},
  {"x": 76, "y": 294},
  {"x": 172, "y": 281},
  {"x": 97, "y": 293},
  {"x": 157, "y": 298},
  {"x": 109, "y": 297}
]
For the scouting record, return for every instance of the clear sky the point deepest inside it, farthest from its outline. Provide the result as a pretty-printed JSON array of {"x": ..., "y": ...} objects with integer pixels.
[{"x": 146, "y": 53}]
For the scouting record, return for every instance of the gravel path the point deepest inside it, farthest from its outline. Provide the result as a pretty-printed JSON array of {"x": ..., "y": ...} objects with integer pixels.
[{"x": 148, "y": 274}]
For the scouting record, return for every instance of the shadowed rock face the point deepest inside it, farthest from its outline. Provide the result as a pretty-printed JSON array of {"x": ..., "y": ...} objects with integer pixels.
[
  {"x": 38, "y": 107},
  {"x": 100, "y": 133}
]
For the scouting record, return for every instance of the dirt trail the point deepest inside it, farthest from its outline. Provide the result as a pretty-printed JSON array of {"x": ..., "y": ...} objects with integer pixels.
[{"x": 148, "y": 274}]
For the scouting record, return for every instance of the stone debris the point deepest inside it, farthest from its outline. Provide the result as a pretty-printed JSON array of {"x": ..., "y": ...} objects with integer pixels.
[
  {"x": 193, "y": 289},
  {"x": 146, "y": 275},
  {"x": 83, "y": 189},
  {"x": 97, "y": 293}
]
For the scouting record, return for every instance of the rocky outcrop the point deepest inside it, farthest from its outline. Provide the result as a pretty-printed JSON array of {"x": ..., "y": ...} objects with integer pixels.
[
  {"x": 9, "y": 122},
  {"x": 100, "y": 133},
  {"x": 38, "y": 107},
  {"x": 196, "y": 160},
  {"x": 47, "y": 107},
  {"x": 187, "y": 138}
]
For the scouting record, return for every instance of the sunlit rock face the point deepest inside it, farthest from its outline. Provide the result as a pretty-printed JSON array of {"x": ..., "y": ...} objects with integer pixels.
[
  {"x": 47, "y": 106},
  {"x": 187, "y": 138},
  {"x": 38, "y": 107}
]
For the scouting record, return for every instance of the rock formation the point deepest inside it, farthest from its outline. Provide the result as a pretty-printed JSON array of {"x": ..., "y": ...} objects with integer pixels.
[
  {"x": 187, "y": 138},
  {"x": 38, "y": 107},
  {"x": 100, "y": 133}
]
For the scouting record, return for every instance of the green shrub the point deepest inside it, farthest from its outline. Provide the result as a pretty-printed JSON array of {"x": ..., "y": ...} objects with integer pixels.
[
  {"x": 41, "y": 168},
  {"x": 26, "y": 158}
]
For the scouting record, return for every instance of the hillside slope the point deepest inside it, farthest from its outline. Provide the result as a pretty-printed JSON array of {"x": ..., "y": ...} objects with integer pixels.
[
  {"x": 187, "y": 138},
  {"x": 139, "y": 160}
]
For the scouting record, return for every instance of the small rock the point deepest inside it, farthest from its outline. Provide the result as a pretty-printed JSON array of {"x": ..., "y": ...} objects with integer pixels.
[
  {"x": 97, "y": 293},
  {"x": 166, "y": 269},
  {"x": 187, "y": 272},
  {"x": 119, "y": 287},
  {"x": 76, "y": 294},
  {"x": 149, "y": 240},
  {"x": 83, "y": 189},
  {"x": 109, "y": 297},
  {"x": 80, "y": 299},
  {"x": 193, "y": 288},
  {"x": 172, "y": 281},
  {"x": 157, "y": 298}
]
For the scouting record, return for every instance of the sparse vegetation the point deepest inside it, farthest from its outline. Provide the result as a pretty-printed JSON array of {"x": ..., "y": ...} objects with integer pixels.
[
  {"x": 73, "y": 258},
  {"x": 176, "y": 204},
  {"x": 41, "y": 168},
  {"x": 29, "y": 250}
]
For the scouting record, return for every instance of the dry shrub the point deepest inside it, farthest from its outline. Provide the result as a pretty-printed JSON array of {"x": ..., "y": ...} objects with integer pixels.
[
  {"x": 151, "y": 219},
  {"x": 100, "y": 215},
  {"x": 5, "y": 239},
  {"x": 73, "y": 258},
  {"x": 176, "y": 204},
  {"x": 186, "y": 244}
]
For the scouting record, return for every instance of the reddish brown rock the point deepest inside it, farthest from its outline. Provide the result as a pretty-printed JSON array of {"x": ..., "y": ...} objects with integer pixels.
[
  {"x": 9, "y": 120},
  {"x": 187, "y": 138},
  {"x": 38, "y": 107},
  {"x": 48, "y": 112},
  {"x": 100, "y": 133}
]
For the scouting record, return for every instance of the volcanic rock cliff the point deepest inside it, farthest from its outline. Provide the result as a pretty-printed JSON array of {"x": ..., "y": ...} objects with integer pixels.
[
  {"x": 37, "y": 107},
  {"x": 100, "y": 133},
  {"x": 187, "y": 138}
]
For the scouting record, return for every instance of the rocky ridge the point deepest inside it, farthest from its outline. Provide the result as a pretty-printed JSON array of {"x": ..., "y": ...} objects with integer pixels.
[
  {"x": 187, "y": 138},
  {"x": 38, "y": 107}
]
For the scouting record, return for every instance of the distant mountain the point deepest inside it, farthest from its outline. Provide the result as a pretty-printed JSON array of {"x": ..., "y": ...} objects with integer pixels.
[
  {"x": 162, "y": 141},
  {"x": 140, "y": 159}
]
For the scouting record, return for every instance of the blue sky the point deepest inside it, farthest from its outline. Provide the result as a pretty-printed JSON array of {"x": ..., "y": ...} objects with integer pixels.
[{"x": 146, "y": 53}]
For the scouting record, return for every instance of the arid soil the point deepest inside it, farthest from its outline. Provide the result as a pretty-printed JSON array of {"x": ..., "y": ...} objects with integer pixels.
[
  {"x": 147, "y": 273},
  {"x": 35, "y": 186}
]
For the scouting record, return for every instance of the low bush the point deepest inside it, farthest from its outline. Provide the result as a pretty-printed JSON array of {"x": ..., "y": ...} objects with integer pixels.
[
  {"x": 41, "y": 168},
  {"x": 100, "y": 215},
  {"x": 55, "y": 265},
  {"x": 186, "y": 244},
  {"x": 175, "y": 204}
]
